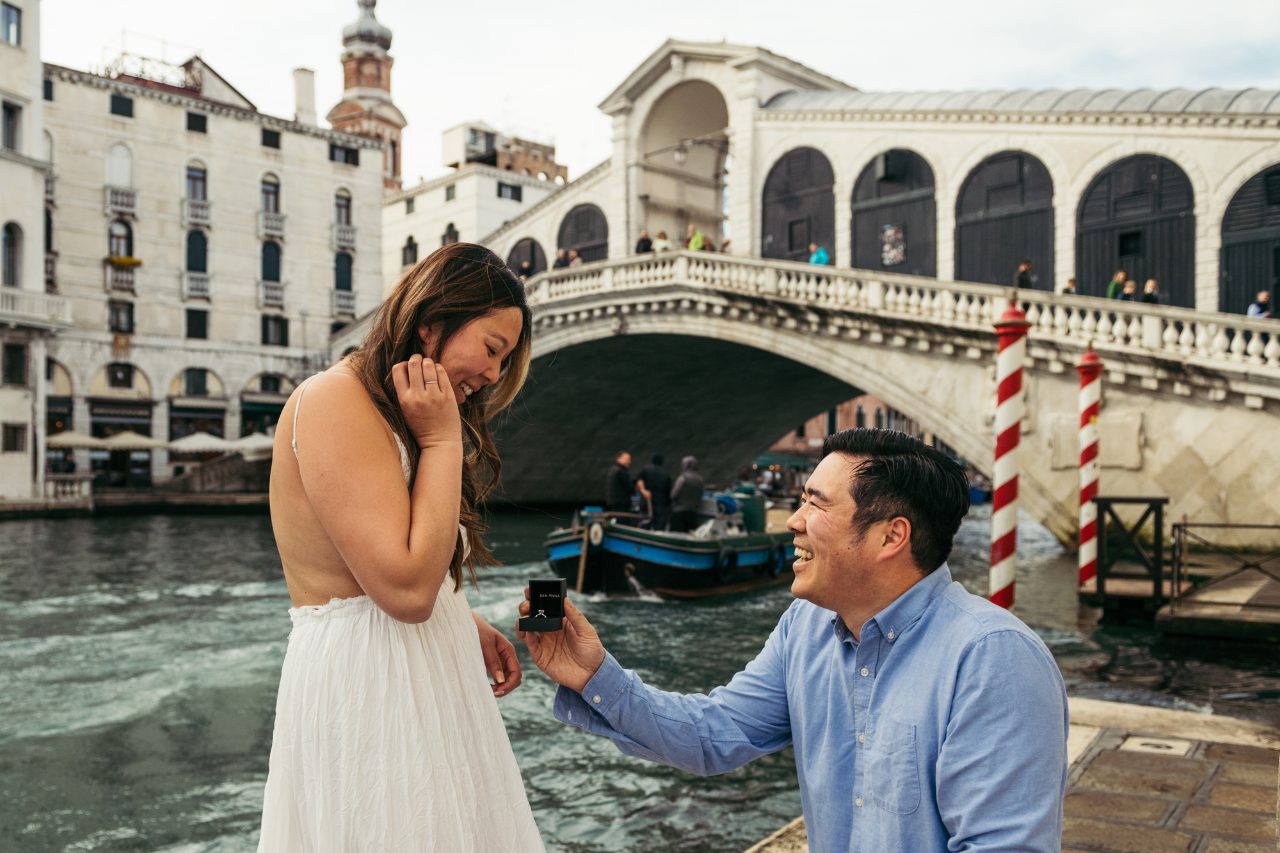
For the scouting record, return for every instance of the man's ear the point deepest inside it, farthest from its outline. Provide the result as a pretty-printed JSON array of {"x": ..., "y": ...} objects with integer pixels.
[{"x": 896, "y": 538}]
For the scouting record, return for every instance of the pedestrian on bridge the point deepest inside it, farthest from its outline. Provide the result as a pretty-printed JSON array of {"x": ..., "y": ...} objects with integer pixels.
[
  {"x": 923, "y": 717},
  {"x": 693, "y": 242},
  {"x": 644, "y": 244},
  {"x": 1151, "y": 292},
  {"x": 561, "y": 261},
  {"x": 1022, "y": 277},
  {"x": 1116, "y": 286},
  {"x": 1129, "y": 293},
  {"x": 1261, "y": 306},
  {"x": 818, "y": 255},
  {"x": 574, "y": 258},
  {"x": 662, "y": 244}
]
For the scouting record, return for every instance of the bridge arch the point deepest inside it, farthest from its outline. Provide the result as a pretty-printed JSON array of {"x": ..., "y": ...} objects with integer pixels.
[
  {"x": 895, "y": 215},
  {"x": 1004, "y": 214},
  {"x": 798, "y": 206},
  {"x": 1138, "y": 214}
]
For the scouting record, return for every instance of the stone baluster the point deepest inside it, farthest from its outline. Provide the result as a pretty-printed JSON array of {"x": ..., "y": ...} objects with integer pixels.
[
  {"x": 1104, "y": 325},
  {"x": 1254, "y": 349},
  {"x": 1187, "y": 338},
  {"x": 1169, "y": 337},
  {"x": 1219, "y": 343},
  {"x": 1237, "y": 345},
  {"x": 1271, "y": 352}
]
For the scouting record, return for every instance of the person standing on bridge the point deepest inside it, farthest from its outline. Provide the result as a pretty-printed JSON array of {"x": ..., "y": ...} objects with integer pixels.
[
  {"x": 818, "y": 255},
  {"x": 1022, "y": 278},
  {"x": 923, "y": 717},
  {"x": 644, "y": 244},
  {"x": 561, "y": 261},
  {"x": 695, "y": 239},
  {"x": 1261, "y": 306},
  {"x": 1116, "y": 286},
  {"x": 662, "y": 244},
  {"x": 1151, "y": 292}
]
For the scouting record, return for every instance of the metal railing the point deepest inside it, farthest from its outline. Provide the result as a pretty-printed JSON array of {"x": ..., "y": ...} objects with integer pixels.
[
  {"x": 121, "y": 201},
  {"x": 1184, "y": 535},
  {"x": 344, "y": 236},
  {"x": 50, "y": 186},
  {"x": 270, "y": 224},
  {"x": 270, "y": 294},
  {"x": 50, "y": 272},
  {"x": 1127, "y": 538},
  {"x": 196, "y": 211},
  {"x": 196, "y": 285},
  {"x": 1198, "y": 338},
  {"x": 344, "y": 303}
]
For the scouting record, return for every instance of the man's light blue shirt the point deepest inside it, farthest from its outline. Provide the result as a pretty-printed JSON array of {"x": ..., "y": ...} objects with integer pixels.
[{"x": 943, "y": 728}]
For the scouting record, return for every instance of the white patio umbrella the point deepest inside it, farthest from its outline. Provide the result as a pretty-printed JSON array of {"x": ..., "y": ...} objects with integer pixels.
[
  {"x": 199, "y": 442},
  {"x": 69, "y": 440},
  {"x": 130, "y": 440},
  {"x": 257, "y": 442}
]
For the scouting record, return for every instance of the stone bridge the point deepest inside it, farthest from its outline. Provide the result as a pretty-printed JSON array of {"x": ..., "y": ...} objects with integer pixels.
[{"x": 717, "y": 356}]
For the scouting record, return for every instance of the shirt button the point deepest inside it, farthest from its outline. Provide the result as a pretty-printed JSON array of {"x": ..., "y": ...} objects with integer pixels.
[
  {"x": 862, "y": 738},
  {"x": 596, "y": 698},
  {"x": 891, "y": 634},
  {"x": 865, "y": 672},
  {"x": 858, "y": 802}
]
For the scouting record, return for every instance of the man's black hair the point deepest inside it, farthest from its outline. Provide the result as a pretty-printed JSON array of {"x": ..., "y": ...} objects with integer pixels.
[{"x": 898, "y": 475}]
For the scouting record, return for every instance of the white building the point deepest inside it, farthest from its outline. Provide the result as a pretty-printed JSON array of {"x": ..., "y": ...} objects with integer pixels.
[
  {"x": 204, "y": 251},
  {"x": 28, "y": 316},
  {"x": 495, "y": 178}
]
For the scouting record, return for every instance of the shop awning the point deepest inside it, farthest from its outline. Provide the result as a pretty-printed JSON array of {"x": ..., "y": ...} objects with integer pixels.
[
  {"x": 257, "y": 444},
  {"x": 70, "y": 440},
  {"x": 130, "y": 440},
  {"x": 199, "y": 442}
]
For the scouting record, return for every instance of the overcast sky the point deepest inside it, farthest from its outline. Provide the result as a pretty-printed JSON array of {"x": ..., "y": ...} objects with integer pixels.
[{"x": 540, "y": 69}]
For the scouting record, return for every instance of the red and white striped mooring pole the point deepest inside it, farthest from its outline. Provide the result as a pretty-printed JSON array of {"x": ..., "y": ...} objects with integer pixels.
[
  {"x": 1011, "y": 329},
  {"x": 1090, "y": 369}
]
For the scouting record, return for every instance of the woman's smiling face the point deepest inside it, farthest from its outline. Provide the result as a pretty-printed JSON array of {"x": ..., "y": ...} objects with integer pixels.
[{"x": 474, "y": 357}]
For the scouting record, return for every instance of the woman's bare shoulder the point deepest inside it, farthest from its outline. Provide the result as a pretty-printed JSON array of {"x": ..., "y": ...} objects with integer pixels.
[{"x": 335, "y": 405}]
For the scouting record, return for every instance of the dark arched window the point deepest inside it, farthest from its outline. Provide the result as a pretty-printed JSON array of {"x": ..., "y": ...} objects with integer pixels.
[
  {"x": 409, "y": 253},
  {"x": 1004, "y": 215},
  {"x": 586, "y": 230},
  {"x": 119, "y": 239},
  {"x": 197, "y": 252},
  {"x": 342, "y": 271},
  {"x": 799, "y": 206},
  {"x": 342, "y": 207},
  {"x": 894, "y": 216},
  {"x": 271, "y": 194},
  {"x": 450, "y": 235},
  {"x": 527, "y": 258},
  {"x": 270, "y": 261},
  {"x": 1251, "y": 243},
  {"x": 11, "y": 255}
]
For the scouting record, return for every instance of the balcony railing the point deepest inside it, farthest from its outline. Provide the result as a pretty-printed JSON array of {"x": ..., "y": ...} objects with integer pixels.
[
  {"x": 196, "y": 211},
  {"x": 344, "y": 303},
  {"x": 196, "y": 285},
  {"x": 270, "y": 224},
  {"x": 119, "y": 278},
  {"x": 51, "y": 272},
  {"x": 122, "y": 201},
  {"x": 344, "y": 236},
  {"x": 270, "y": 294},
  {"x": 32, "y": 308},
  {"x": 50, "y": 184}
]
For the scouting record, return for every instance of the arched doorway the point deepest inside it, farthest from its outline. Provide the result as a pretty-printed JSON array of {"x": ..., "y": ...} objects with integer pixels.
[
  {"x": 585, "y": 229},
  {"x": 799, "y": 206},
  {"x": 1251, "y": 243},
  {"x": 894, "y": 215},
  {"x": 1137, "y": 215},
  {"x": 684, "y": 151},
  {"x": 527, "y": 250},
  {"x": 1004, "y": 215}
]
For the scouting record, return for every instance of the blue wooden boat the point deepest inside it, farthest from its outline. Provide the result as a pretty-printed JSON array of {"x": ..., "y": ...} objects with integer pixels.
[{"x": 620, "y": 558}]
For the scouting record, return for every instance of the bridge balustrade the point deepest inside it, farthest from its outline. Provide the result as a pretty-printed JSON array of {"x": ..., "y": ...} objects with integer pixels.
[{"x": 1206, "y": 339}]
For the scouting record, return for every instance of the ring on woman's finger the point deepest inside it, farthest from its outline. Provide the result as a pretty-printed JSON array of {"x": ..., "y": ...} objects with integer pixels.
[{"x": 430, "y": 382}]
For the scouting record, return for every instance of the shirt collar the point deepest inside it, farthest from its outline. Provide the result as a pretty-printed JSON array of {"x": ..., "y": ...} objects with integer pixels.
[{"x": 910, "y": 606}]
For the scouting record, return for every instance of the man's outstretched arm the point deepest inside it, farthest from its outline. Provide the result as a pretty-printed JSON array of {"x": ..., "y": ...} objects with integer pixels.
[{"x": 702, "y": 734}]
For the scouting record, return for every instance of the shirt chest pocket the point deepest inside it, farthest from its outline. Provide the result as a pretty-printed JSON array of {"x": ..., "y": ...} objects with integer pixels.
[{"x": 893, "y": 767}]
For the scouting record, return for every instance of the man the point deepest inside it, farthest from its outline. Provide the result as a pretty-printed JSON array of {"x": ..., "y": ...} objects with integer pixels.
[
  {"x": 575, "y": 259},
  {"x": 818, "y": 255},
  {"x": 924, "y": 718},
  {"x": 618, "y": 484},
  {"x": 1116, "y": 285},
  {"x": 1022, "y": 278},
  {"x": 1261, "y": 306},
  {"x": 644, "y": 244},
  {"x": 1151, "y": 292},
  {"x": 686, "y": 496},
  {"x": 656, "y": 484},
  {"x": 694, "y": 240},
  {"x": 561, "y": 261}
]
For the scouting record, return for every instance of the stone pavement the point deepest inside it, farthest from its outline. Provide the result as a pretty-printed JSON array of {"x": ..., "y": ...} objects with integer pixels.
[{"x": 1148, "y": 780}]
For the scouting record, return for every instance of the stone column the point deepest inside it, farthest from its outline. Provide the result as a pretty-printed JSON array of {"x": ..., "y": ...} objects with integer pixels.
[
  {"x": 1208, "y": 260},
  {"x": 160, "y": 430},
  {"x": 80, "y": 422},
  {"x": 39, "y": 420}
]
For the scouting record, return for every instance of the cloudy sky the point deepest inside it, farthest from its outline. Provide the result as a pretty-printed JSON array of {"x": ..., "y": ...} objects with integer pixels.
[{"x": 540, "y": 69}]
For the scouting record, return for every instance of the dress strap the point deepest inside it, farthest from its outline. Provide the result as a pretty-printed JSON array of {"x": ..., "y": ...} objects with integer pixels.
[{"x": 293, "y": 438}]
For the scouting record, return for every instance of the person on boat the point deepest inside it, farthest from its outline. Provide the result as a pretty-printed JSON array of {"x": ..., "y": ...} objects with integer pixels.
[
  {"x": 686, "y": 496},
  {"x": 387, "y": 733},
  {"x": 655, "y": 482},
  {"x": 923, "y": 717},
  {"x": 619, "y": 487}
]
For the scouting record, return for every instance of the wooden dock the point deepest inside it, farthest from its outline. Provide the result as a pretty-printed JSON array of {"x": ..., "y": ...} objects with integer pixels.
[{"x": 1244, "y": 604}]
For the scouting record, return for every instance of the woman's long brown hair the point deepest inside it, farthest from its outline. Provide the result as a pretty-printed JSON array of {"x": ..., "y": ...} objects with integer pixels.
[{"x": 448, "y": 289}]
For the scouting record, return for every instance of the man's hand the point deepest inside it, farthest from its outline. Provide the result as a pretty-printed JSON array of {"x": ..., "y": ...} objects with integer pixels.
[
  {"x": 569, "y": 656},
  {"x": 499, "y": 658}
]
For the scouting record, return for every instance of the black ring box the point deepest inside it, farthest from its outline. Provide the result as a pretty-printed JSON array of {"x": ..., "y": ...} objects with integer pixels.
[{"x": 546, "y": 605}]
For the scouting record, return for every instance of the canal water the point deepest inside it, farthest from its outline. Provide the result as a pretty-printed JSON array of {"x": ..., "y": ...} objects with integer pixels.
[{"x": 139, "y": 658}]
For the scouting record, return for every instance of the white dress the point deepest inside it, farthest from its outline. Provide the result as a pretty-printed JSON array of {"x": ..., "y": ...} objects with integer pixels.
[{"x": 388, "y": 737}]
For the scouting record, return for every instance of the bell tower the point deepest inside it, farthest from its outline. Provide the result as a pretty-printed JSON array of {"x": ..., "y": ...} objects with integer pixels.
[{"x": 366, "y": 108}]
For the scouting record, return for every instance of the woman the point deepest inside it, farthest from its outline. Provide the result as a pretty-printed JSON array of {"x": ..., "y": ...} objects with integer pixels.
[{"x": 387, "y": 735}]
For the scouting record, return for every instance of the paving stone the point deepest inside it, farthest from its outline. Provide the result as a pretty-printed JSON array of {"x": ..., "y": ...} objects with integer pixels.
[
  {"x": 1248, "y": 774},
  {"x": 1153, "y": 761},
  {"x": 1119, "y": 838},
  {"x": 1097, "y": 805},
  {"x": 1254, "y": 799},
  {"x": 1139, "y": 782},
  {"x": 1233, "y": 822},
  {"x": 1226, "y": 845},
  {"x": 1242, "y": 754}
]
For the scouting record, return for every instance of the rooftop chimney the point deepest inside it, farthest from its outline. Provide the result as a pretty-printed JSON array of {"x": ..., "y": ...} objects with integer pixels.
[{"x": 304, "y": 95}]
